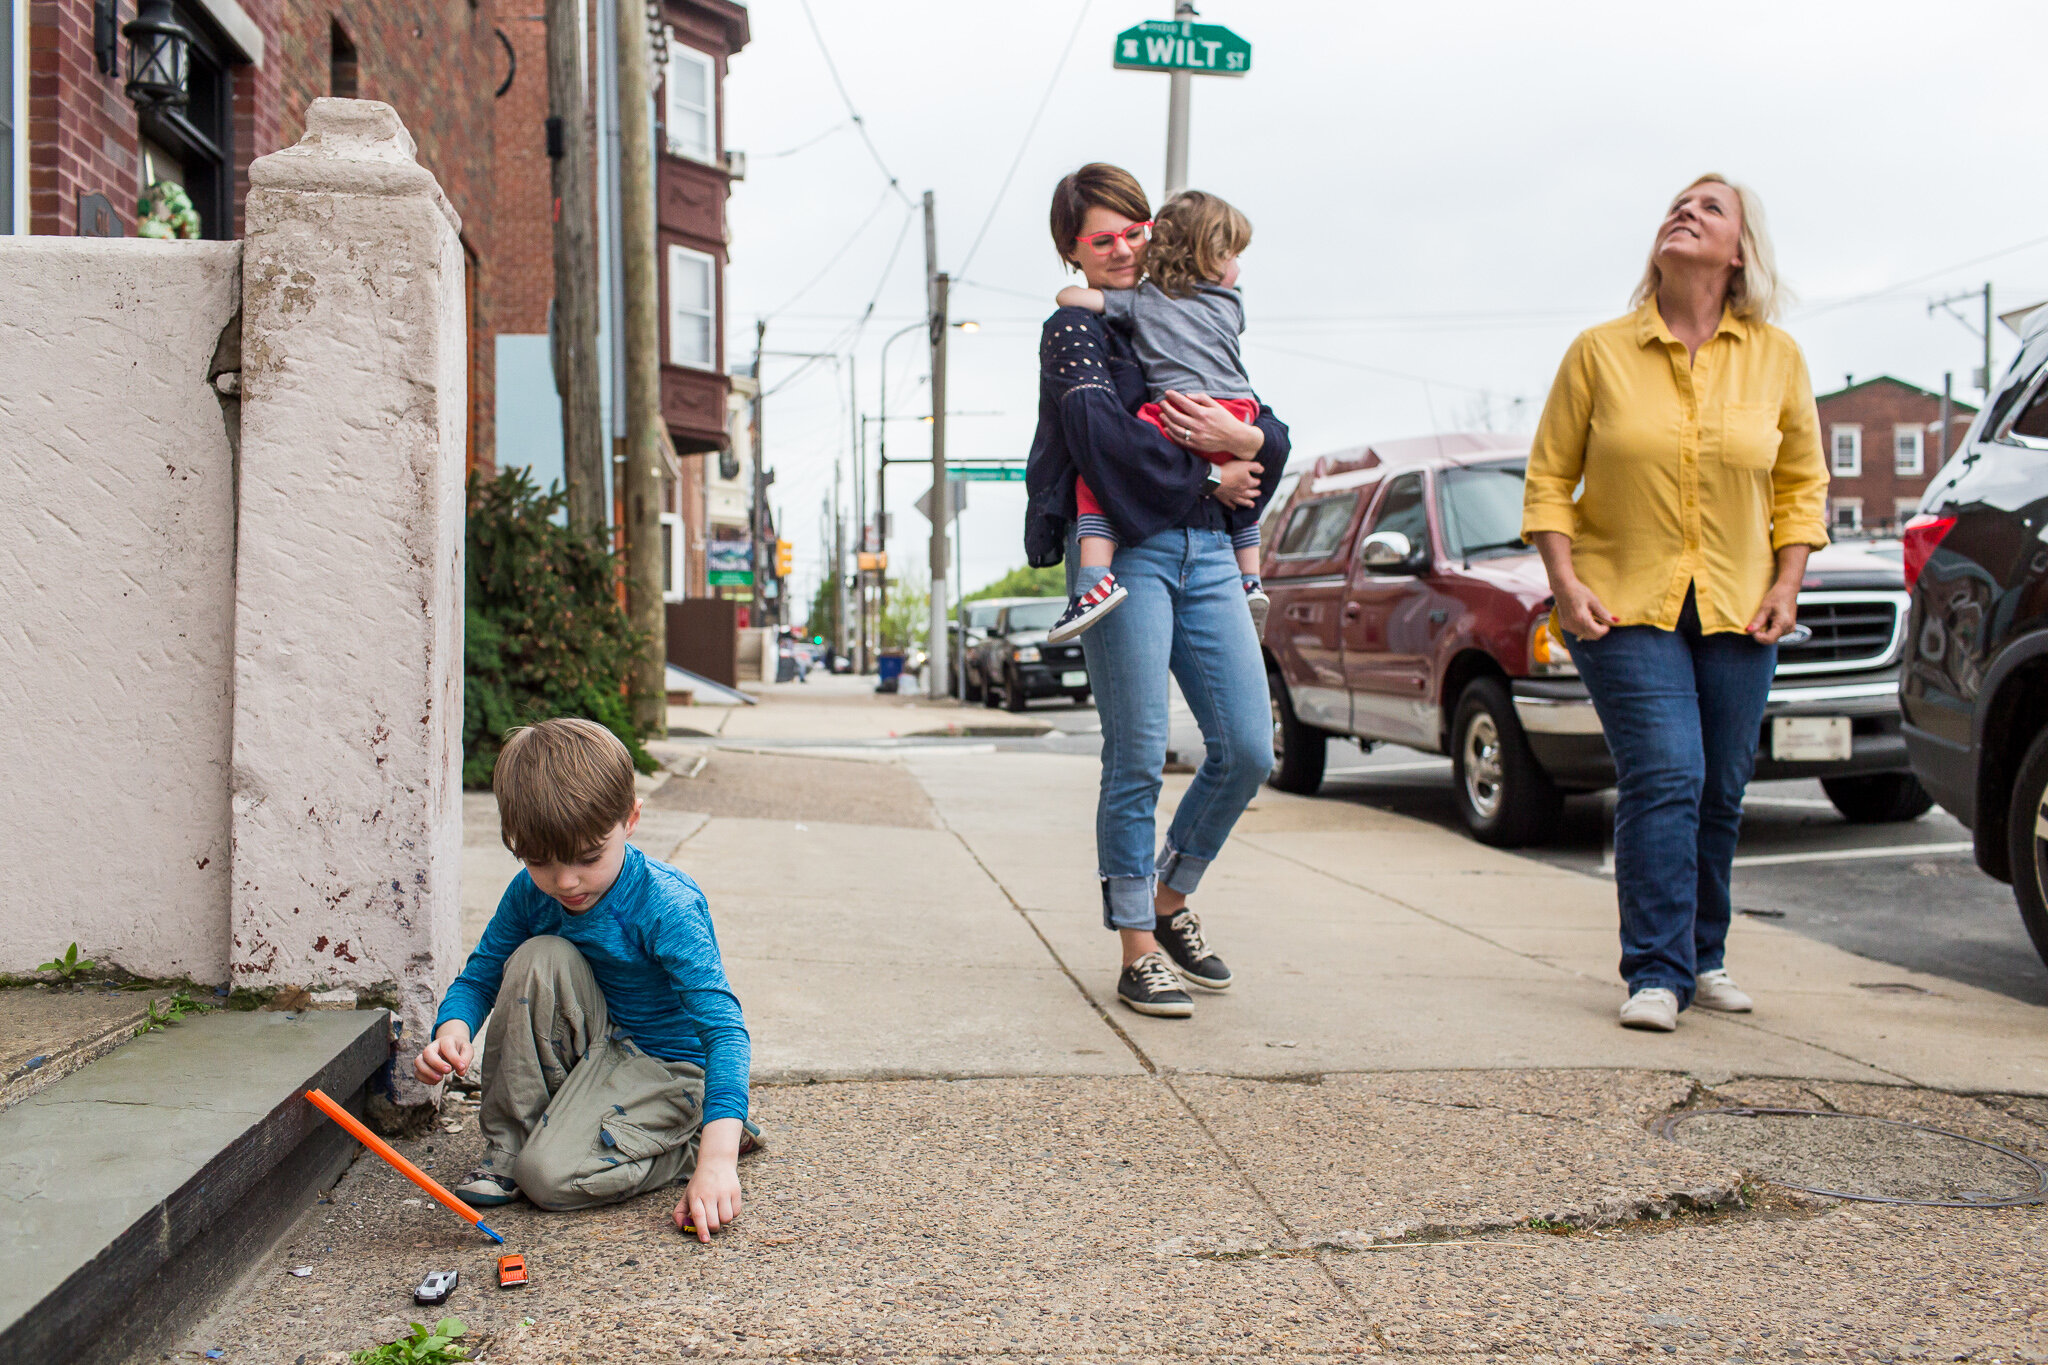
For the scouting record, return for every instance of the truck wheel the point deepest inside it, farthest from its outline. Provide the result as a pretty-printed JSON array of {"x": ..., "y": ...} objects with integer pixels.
[
  {"x": 1878, "y": 798},
  {"x": 1506, "y": 798},
  {"x": 970, "y": 686},
  {"x": 1299, "y": 749},
  {"x": 1013, "y": 691},
  {"x": 2026, "y": 832},
  {"x": 988, "y": 693}
]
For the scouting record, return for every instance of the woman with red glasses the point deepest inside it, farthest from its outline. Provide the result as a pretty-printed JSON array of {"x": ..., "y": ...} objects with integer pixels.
[{"x": 1184, "y": 614}]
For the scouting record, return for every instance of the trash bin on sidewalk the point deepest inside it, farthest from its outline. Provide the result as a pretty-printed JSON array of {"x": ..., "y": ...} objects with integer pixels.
[{"x": 889, "y": 668}]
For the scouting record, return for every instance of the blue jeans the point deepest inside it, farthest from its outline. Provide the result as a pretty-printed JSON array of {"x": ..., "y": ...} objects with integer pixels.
[
  {"x": 1185, "y": 614},
  {"x": 1681, "y": 711}
]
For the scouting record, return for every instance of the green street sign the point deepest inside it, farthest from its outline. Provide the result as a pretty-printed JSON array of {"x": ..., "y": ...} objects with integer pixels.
[
  {"x": 730, "y": 578},
  {"x": 1182, "y": 45},
  {"x": 986, "y": 473}
]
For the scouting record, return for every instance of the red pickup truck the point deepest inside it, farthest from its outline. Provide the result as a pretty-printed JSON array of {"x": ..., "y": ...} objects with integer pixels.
[{"x": 1406, "y": 609}]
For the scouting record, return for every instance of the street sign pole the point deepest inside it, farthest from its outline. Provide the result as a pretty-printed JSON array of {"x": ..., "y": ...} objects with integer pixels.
[
  {"x": 1180, "y": 85},
  {"x": 1183, "y": 49}
]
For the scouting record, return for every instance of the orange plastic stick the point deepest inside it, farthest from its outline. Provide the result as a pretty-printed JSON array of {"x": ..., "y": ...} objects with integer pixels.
[{"x": 399, "y": 1163}]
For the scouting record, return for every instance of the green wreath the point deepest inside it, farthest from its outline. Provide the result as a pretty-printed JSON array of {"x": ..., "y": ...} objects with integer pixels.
[{"x": 165, "y": 211}]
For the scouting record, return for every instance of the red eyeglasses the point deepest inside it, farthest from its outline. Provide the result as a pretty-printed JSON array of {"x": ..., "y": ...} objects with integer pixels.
[{"x": 1134, "y": 236}]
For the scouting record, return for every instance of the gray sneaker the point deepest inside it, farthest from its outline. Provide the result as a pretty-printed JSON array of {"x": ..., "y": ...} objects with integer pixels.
[
  {"x": 487, "y": 1189},
  {"x": 1653, "y": 1008},
  {"x": 1150, "y": 987}
]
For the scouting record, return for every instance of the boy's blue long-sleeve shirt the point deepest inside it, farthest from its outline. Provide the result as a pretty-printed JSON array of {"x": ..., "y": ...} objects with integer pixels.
[{"x": 650, "y": 944}]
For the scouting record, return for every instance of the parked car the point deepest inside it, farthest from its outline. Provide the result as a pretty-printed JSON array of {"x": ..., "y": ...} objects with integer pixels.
[
  {"x": 970, "y": 633},
  {"x": 1408, "y": 610},
  {"x": 1975, "y": 684},
  {"x": 1017, "y": 664}
]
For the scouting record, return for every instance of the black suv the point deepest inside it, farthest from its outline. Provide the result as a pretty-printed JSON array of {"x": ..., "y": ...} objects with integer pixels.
[
  {"x": 1974, "y": 686},
  {"x": 1016, "y": 664}
]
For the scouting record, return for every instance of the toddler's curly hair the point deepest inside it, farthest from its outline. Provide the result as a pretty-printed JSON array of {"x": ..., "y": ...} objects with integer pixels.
[{"x": 1192, "y": 236}]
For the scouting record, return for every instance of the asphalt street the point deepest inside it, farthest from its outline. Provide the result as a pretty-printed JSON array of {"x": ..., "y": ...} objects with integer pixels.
[{"x": 1908, "y": 894}]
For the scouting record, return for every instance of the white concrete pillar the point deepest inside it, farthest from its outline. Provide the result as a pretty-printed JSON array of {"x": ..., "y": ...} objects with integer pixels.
[{"x": 348, "y": 597}]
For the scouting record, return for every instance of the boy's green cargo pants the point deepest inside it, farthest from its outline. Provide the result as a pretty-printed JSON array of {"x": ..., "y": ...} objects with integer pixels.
[{"x": 580, "y": 1117}]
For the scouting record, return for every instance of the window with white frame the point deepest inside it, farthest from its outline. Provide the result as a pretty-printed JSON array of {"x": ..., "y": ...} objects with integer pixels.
[
  {"x": 671, "y": 557},
  {"x": 1909, "y": 445},
  {"x": 689, "y": 94},
  {"x": 1845, "y": 446},
  {"x": 1847, "y": 513},
  {"x": 692, "y": 309},
  {"x": 13, "y": 117}
]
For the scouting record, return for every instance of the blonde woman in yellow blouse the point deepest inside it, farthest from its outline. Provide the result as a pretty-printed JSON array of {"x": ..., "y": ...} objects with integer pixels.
[{"x": 1675, "y": 489}]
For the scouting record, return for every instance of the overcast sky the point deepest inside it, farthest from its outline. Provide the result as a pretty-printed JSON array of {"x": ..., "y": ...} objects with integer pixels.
[{"x": 1441, "y": 196}]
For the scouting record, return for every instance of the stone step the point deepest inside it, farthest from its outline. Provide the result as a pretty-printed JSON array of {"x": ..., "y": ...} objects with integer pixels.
[
  {"x": 47, "y": 1032},
  {"x": 135, "y": 1189}
]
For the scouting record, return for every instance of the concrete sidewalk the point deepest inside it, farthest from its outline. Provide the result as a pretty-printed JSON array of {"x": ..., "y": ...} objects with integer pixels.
[{"x": 1364, "y": 1148}]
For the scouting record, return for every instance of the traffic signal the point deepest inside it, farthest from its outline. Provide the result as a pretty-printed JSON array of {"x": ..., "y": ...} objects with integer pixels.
[{"x": 785, "y": 559}]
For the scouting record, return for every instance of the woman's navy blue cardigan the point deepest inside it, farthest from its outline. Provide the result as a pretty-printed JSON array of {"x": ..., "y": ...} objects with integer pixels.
[{"x": 1089, "y": 387}]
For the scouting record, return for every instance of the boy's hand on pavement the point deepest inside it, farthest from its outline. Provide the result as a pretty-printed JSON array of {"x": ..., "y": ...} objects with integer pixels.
[
  {"x": 712, "y": 1198},
  {"x": 449, "y": 1052}
]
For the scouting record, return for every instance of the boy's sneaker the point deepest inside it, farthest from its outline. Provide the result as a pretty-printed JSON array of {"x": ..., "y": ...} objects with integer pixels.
[
  {"x": 1180, "y": 934},
  {"x": 1255, "y": 598},
  {"x": 486, "y": 1189},
  {"x": 1085, "y": 610},
  {"x": 1653, "y": 1008},
  {"x": 1150, "y": 987},
  {"x": 1716, "y": 990}
]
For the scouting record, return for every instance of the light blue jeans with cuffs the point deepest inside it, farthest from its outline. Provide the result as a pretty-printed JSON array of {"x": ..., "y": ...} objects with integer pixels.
[{"x": 1185, "y": 617}]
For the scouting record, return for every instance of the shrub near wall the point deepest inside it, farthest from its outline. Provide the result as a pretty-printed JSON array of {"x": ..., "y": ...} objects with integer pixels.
[{"x": 544, "y": 633}]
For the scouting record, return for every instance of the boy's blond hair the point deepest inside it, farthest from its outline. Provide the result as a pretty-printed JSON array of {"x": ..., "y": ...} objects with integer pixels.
[
  {"x": 1192, "y": 236},
  {"x": 561, "y": 787}
]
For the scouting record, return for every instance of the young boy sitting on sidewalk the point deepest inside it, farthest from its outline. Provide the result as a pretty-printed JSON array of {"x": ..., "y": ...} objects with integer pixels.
[{"x": 617, "y": 1059}]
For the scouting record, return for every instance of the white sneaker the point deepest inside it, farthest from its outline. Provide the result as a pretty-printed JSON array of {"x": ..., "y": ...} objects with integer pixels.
[
  {"x": 1716, "y": 990},
  {"x": 1653, "y": 1007}
]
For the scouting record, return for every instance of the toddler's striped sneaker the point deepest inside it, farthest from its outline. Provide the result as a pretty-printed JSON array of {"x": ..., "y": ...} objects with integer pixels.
[{"x": 1090, "y": 607}]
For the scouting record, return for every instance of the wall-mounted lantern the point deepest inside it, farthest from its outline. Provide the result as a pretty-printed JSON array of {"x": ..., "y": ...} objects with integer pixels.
[{"x": 159, "y": 50}]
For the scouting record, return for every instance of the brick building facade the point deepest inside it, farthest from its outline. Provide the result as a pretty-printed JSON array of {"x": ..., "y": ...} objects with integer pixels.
[{"x": 1884, "y": 441}]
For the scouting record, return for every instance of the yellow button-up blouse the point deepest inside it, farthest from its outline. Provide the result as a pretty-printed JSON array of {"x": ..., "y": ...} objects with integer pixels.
[{"x": 1667, "y": 474}]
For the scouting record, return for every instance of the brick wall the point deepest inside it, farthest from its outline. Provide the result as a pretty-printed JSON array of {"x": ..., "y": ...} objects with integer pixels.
[
  {"x": 1879, "y": 406},
  {"x": 81, "y": 128},
  {"x": 524, "y": 243}
]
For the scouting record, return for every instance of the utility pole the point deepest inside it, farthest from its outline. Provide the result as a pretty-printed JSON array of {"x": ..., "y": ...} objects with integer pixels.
[
  {"x": 936, "y": 674},
  {"x": 1948, "y": 383},
  {"x": 757, "y": 614},
  {"x": 642, "y": 334},
  {"x": 1989, "y": 378},
  {"x": 1180, "y": 85},
  {"x": 838, "y": 569},
  {"x": 575, "y": 214}
]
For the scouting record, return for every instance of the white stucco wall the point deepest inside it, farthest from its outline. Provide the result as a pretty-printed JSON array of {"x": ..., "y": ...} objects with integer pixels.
[
  {"x": 116, "y": 614},
  {"x": 348, "y": 617}
]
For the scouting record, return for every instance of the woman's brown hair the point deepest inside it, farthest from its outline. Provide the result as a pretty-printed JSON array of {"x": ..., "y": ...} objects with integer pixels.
[
  {"x": 1096, "y": 185},
  {"x": 1193, "y": 236}
]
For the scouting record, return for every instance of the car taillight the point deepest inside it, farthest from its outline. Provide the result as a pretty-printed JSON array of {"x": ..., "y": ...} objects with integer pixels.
[{"x": 1917, "y": 542}]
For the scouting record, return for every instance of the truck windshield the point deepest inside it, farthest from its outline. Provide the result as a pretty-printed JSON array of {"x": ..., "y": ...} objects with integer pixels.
[
  {"x": 1037, "y": 615},
  {"x": 1482, "y": 508}
]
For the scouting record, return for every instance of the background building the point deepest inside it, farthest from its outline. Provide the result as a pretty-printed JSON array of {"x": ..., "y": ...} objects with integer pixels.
[{"x": 1884, "y": 441}]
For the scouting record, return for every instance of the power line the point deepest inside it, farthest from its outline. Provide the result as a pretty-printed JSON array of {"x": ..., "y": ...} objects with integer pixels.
[
  {"x": 1918, "y": 279},
  {"x": 849, "y": 335},
  {"x": 1423, "y": 380},
  {"x": 1059, "y": 68},
  {"x": 852, "y": 113},
  {"x": 806, "y": 144},
  {"x": 844, "y": 248}
]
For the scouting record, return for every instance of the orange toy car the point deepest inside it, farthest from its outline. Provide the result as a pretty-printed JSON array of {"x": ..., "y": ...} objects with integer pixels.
[{"x": 511, "y": 1272}]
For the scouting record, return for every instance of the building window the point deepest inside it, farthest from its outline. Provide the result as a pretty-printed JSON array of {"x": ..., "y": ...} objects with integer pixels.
[
  {"x": 671, "y": 557},
  {"x": 1903, "y": 509},
  {"x": 193, "y": 146},
  {"x": 13, "y": 116},
  {"x": 1847, "y": 514},
  {"x": 341, "y": 64},
  {"x": 687, "y": 110},
  {"x": 1846, "y": 446},
  {"x": 1908, "y": 447},
  {"x": 692, "y": 310}
]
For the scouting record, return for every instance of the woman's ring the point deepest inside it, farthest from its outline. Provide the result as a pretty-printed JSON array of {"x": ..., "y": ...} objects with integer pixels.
[{"x": 1186, "y": 435}]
